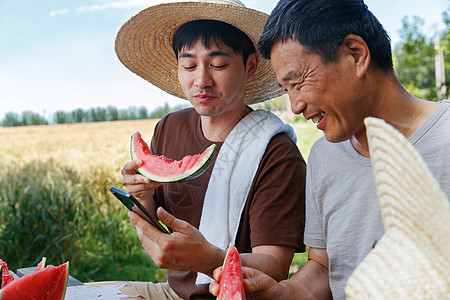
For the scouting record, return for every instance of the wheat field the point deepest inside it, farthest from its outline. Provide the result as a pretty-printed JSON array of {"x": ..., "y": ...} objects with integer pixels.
[
  {"x": 82, "y": 146},
  {"x": 54, "y": 198}
]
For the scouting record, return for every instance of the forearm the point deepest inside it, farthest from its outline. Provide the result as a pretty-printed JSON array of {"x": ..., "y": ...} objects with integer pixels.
[
  {"x": 310, "y": 282},
  {"x": 272, "y": 260}
]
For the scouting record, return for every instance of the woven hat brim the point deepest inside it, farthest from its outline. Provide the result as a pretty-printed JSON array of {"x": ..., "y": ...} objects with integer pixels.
[
  {"x": 144, "y": 44},
  {"x": 411, "y": 259}
]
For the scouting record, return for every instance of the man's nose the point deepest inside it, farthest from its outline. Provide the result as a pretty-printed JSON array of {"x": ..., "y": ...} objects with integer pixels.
[
  {"x": 203, "y": 78},
  {"x": 298, "y": 105}
]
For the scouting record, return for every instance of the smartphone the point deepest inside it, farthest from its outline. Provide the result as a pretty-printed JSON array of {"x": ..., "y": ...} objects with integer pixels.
[{"x": 130, "y": 201}]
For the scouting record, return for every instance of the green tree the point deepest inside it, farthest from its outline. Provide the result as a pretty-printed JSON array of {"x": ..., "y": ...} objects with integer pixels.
[
  {"x": 142, "y": 113},
  {"x": 445, "y": 45},
  {"x": 32, "y": 118},
  {"x": 112, "y": 114},
  {"x": 11, "y": 119},
  {"x": 414, "y": 60},
  {"x": 78, "y": 115},
  {"x": 160, "y": 111},
  {"x": 61, "y": 117}
]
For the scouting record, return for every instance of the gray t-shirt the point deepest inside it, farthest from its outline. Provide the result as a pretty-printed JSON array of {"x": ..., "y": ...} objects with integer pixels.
[{"x": 342, "y": 210}]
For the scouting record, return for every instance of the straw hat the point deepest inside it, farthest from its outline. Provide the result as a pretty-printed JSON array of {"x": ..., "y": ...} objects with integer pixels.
[
  {"x": 144, "y": 43},
  {"x": 412, "y": 259}
]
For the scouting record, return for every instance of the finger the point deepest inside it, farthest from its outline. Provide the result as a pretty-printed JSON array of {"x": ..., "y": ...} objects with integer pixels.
[
  {"x": 142, "y": 226},
  {"x": 131, "y": 166},
  {"x": 137, "y": 179},
  {"x": 217, "y": 273},
  {"x": 214, "y": 288},
  {"x": 170, "y": 221}
]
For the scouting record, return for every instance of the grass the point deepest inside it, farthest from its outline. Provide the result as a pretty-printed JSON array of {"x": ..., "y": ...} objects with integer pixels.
[{"x": 54, "y": 198}]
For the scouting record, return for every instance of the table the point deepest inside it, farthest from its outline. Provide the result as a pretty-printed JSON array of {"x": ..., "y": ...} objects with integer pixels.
[{"x": 111, "y": 290}]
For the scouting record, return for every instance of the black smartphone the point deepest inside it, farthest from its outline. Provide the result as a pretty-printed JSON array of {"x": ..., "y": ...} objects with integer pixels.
[{"x": 130, "y": 201}]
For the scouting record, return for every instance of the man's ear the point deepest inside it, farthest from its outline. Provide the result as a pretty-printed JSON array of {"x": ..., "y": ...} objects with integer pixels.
[
  {"x": 359, "y": 50},
  {"x": 252, "y": 64}
]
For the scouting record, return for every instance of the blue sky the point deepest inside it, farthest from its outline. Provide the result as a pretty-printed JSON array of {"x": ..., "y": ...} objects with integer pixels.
[{"x": 59, "y": 54}]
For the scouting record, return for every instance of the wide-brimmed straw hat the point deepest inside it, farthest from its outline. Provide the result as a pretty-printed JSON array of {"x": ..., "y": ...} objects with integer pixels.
[
  {"x": 144, "y": 43},
  {"x": 411, "y": 260}
]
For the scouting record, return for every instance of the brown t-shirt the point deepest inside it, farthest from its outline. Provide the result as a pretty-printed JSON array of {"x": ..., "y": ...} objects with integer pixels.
[{"x": 275, "y": 208}]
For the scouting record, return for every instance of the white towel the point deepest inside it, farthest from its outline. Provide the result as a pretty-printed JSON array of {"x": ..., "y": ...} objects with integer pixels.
[{"x": 235, "y": 167}]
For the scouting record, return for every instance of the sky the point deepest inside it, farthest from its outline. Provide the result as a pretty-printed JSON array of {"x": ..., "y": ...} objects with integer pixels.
[{"x": 59, "y": 54}]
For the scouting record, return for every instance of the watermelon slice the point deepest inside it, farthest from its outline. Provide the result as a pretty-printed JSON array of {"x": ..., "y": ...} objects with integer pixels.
[
  {"x": 232, "y": 283},
  {"x": 50, "y": 283},
  {"x": 6, "y": 277},
  {"x": 163, "y": 169}
]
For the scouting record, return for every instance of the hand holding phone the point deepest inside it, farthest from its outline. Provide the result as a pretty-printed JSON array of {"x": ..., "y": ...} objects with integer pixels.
[{"x": 130, "y": 201}]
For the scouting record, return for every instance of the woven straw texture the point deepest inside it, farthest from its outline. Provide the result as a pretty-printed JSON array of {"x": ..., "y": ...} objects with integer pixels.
[
  {"x": 144, "y": 43},
  {"x": 411, "y": 260}
]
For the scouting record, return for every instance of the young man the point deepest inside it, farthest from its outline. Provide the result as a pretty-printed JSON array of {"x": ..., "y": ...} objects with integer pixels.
[
  {"x": 253, "y": 195},
  {"x": 333, "y": 58}
]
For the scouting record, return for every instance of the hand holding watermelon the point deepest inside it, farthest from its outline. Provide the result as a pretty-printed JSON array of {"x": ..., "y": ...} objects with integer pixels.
[
  {"x": 256, "y": 285},
  {"x": 231, "y": 283},
  {"x": 141, "y": 187}
]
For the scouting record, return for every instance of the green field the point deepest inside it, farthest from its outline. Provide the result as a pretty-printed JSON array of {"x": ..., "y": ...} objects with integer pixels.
[{"x": 54, "y": 198}]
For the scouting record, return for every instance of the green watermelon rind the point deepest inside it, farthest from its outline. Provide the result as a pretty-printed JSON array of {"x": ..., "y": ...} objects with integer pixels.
[
  {"x": 41, "y": 264},
  {"x": 203, "y": 168},
  {"x": 199, "y": 168}
]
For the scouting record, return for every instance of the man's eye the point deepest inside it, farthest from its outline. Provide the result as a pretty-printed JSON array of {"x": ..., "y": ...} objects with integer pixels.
[
  {"x": 189, "y": 67},
  {"x": 218, "y": 67}
]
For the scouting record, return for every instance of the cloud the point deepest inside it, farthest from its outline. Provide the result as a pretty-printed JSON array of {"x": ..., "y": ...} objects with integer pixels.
[
  {"x": 122, "y": 4},
  {"x": 116, "y": 4},
  {"x": 61, "y": 11}
]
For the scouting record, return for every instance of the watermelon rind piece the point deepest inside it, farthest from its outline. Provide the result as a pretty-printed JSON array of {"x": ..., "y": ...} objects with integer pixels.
[
  {"x": 232, "y": 282},
  {"x": 139, "y": 150},
  {"x": 50, "y": 283},
  {"x": 5, "y": 276},
  {"x": 41, "y": 265},
  {"x": 204, "y": 167}
]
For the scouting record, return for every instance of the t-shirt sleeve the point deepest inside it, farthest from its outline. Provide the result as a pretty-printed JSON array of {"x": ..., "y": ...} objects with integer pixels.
[
  {"x": 277, "y": 204},
  {"x": 314, "y": 234}
]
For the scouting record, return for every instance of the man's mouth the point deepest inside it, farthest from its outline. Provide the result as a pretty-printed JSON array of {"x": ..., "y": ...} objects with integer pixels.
[{"x": 316, "y": 119}]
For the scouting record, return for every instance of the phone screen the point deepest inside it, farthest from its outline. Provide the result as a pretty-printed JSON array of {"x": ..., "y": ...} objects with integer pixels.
[{"x": 130, "y": 201}]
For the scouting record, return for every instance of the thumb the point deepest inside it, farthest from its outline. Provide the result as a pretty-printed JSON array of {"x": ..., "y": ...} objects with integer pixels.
[
  {"x": 252, "y": 279},
  {"x": 169, "y": 219}
]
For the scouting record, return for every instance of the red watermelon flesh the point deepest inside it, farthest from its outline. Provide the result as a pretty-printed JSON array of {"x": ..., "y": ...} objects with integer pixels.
[
  {"x": 232, "y": 283},
  {"x": 49, "y": 283},
  {"x": 163, "y": 169},
  {"x": 6, "y": 276}
]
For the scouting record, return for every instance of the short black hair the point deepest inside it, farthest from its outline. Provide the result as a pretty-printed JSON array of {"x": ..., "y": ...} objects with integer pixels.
[
  {"x": 212, "y": 30},
  {"x": 322, "y": 25}
]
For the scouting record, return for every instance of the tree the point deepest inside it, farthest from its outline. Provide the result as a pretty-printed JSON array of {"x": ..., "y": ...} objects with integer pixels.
[
  {"x": 61, "y": 117},
  {"x": 414, "y": 60},
  {"x": 32, "y": 118},
  {"x": 11, "y": 119},
  {"x": 445, "y": 45},
  {"x": 160, "y": 111},
  {"x": 78, "y": 115},
  {"x": 142, "y": 112},
  {"x": 112, "y": 114}
]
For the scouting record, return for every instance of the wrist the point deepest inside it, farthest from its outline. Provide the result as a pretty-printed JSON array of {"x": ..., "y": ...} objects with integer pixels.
[{"x": 216, "y": 258}]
